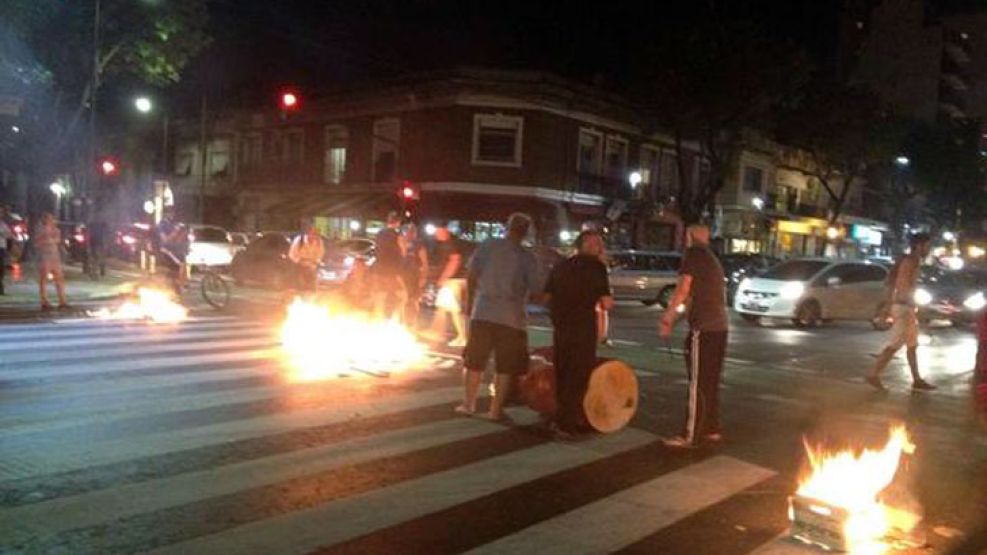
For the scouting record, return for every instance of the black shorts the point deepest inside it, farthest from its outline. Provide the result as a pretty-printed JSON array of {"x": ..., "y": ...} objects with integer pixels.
[{"x": 508, "y": 345}]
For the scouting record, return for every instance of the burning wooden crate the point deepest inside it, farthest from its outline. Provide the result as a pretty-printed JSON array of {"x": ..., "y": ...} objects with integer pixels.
[{"x": 839, "y": 505}]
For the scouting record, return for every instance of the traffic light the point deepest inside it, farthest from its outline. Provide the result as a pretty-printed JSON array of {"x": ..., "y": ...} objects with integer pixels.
[
  {"x": 409, "y": 195},
  {"x": 289, "y": 101},
  {"x": 109, "y": 166}
]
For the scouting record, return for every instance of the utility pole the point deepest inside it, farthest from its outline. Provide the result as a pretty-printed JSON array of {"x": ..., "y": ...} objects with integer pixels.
[
  {"x": 203, "y": 150},
  {"x": 90, "y": 168}
]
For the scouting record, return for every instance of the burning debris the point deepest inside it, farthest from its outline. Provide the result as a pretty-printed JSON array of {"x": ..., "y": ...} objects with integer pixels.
[
  {"x": 842, "y": 504},
  {"x": 322, "y": 343},
  {"x": 152, "y": 305}
]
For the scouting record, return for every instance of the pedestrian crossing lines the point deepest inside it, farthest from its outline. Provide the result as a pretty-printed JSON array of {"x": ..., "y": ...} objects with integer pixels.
[{"x": 198, "y": 451}]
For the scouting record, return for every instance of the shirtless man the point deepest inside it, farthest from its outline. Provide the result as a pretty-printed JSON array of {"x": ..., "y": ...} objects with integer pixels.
[{"x": 900, "y": 304}]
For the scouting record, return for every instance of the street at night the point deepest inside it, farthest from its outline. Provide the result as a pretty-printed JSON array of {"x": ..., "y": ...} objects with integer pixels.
[
  {"x": 188, "y": 438},
  {"x": 400, "y": 277}
]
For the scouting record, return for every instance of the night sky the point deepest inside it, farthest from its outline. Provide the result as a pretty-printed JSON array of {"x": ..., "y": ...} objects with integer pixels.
[{"x": 260, "y": 46}]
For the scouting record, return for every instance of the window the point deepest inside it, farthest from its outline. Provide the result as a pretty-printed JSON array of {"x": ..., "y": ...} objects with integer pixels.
[
  {"x": 616, "y": 158},
  {"x": 668, "y": 183},
  {"x": 650, "y": 158},
  {"x": 497, "y": 140},
  {"x": 334, "y": 161},
  {"x": 293, "y": 148},
  {"x": 387, "y": 139},
  {"x": 183, "y": 163},
  {"x": 753, "y": 179},
  {"x": 251, "y": 150},
  {"x": 590, "y": 160},
  {"x": 219, "y": 163}
]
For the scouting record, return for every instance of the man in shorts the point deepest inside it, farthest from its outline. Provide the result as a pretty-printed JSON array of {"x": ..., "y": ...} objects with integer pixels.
[
  {"x": 506, "y": 275},
  {"x": 900, "y": 306},
  {"x": 450, "y": 283}
]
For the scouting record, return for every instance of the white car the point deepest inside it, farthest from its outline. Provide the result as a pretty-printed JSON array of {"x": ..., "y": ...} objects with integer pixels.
[
  {"x": 645, "y": 276},
  {"x": 210, "y": 246},
  {"x": 812, "y": 290}
]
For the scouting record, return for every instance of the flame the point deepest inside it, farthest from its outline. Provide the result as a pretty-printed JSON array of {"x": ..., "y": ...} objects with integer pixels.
[
  {"x": 153, "y": 305},
  {"x": 321, "y": 343},
  {"x": 854, "y": 482}
]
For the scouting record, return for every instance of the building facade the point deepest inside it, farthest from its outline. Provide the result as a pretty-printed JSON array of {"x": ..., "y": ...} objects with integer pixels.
[{"x": 477, "y": 145}]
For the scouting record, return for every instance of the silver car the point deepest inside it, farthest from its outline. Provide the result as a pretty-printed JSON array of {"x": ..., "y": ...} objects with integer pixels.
[{"x": 646, "y": 276}]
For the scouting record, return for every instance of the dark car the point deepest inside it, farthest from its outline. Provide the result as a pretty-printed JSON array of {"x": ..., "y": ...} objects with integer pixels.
[
  {"x": 956, "y": 296},
  {"x": 738, "y": 266},
  {"x": 264, "y": 262},
  {"x": 74, "y": 238},
  {"x": 128, "y": 241}
]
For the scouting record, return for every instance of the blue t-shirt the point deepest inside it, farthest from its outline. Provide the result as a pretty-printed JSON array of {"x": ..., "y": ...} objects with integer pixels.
[{"x": 506, "y": 274}]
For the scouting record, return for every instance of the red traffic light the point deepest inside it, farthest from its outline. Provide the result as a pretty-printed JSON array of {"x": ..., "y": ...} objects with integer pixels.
[
  {"x": 289, "y": 100},
  {"x": 109, "y": 166},
  {"x": 408, "y": 191}
]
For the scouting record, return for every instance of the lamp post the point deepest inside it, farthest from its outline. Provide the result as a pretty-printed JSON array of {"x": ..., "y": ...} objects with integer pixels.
[{"x": 58, "y": 190}]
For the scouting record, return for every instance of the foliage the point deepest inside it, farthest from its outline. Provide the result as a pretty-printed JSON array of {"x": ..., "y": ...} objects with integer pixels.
[
  {"x": 709, "y": 81},
  {"x": 845, "y": 132}
]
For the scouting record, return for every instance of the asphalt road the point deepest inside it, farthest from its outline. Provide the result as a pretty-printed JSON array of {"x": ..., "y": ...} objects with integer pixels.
[{"x": 123, "y": 437}]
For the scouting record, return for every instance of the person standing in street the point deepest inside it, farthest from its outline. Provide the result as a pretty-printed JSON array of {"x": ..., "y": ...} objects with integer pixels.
[
  {"x": 306, "y": 252},
  {"x": 97, "y": 232},
  {"x": 388, "y": 285},
  {"x": 900, "y": 305},
  {"x": 173, "y": 247},
  {"x": 6, "y": 238},
  {"x": 415, "y": 272},
  {"x": 450, "y": 283},
  {"x": 48, "y": 249},
  {"x": 577, "y": 288},
  {"x": 701, "y": 289},
  {"x": 506, "y": 277}
]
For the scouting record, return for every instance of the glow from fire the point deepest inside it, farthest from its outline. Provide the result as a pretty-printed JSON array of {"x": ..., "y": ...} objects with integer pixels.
[
  {"x": 322, "y": 343},
  {"x": 854, "y": 482},
  {"x": 152, "y": 305}
]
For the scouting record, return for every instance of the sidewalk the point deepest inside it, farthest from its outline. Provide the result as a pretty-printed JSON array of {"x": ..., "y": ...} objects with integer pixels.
[{"x": 22, "y": 289}]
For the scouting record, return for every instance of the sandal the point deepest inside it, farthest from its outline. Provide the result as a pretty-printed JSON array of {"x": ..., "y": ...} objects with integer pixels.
[{"x": 464, "y": 411}]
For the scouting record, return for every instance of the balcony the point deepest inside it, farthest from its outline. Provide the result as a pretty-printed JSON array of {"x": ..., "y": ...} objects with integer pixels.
[
  {"x": 607, "y": 187},
  {"x": 957, "y": 51}
]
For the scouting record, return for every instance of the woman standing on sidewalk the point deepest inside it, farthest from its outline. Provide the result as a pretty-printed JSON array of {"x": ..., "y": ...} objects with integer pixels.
[{"x": 47, "y": 246}]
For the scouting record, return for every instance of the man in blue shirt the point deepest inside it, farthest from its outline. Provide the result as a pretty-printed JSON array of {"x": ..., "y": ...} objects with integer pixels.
[{"x": 505, "y": 274}]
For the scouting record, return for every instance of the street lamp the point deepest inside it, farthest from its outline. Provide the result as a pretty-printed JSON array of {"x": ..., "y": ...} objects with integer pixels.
[
  {"x": 143, "y": 104},
  {"x": 758, "y": 203},
  {"x": 58, "y": 190},
  {"x": 902, "y": 161},
  {"x": 832, "y": 232},
  {"x": 635, "y": 179}
]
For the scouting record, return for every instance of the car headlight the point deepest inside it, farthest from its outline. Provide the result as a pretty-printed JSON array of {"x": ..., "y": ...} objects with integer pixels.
[
  {"x": 792, "y": 290},
  {"x": 922, "y": 297},
  {"x": 975, "y": 301}
]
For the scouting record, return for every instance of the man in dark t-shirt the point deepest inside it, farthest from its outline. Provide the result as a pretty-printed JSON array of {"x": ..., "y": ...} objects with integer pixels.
[
  {"x": 575, "y": 288},
  {"x": 701, "y": 289},
  {"x": 389, "y": 291},
  {"x": 450, "y": 283}
]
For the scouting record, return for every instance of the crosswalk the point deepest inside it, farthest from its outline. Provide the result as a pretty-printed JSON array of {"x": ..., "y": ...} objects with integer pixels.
[{"x": 122, "y": 437}]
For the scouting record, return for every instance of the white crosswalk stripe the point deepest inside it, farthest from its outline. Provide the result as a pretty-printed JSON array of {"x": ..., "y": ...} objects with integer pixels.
[{"x": 103, "y": 455}]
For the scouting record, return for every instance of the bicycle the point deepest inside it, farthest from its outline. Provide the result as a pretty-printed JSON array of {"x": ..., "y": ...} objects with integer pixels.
[{"x": 215, "y": 289}]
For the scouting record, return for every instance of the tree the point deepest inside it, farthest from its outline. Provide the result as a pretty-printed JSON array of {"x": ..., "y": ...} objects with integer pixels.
[
  {"x": 47, "y": 59},
  {"x": 845, "y": 132},
  {"x": 947, "y": 170},
  {"x": 708, "y": 82}
]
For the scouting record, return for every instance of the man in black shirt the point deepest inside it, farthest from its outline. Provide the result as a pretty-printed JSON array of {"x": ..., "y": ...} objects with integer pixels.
[
  {"x": 575, "y": 288},
  {"x": 390, "y": 247},
  {"x": 701, "y": 287},
  {"x": 450, "y": 283}
]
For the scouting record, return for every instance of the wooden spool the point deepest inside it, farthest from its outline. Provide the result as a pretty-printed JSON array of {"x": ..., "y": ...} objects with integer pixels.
[{"x": 611, "y": 395}]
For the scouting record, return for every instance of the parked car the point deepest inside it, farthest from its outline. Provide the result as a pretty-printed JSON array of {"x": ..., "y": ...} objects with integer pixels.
[
  {"x": 129, "y": 240},
  {"x": 74, "y": 238},
  {"x": 210, "y": 246},
  {"x": 341, "y": 256},
  {"x": 739, "y": 266},
  {"x": 243, "y": 238},
  {"x": 956, "y": 296},
  {"x": 264, "y": 262},
  {"x": 645, "y": 276},
  {"x": 812, "y": 290}
]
